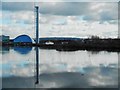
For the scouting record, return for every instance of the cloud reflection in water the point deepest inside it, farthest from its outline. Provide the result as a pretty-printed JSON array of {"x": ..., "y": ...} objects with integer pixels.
[{"x": 61, "y": 69}]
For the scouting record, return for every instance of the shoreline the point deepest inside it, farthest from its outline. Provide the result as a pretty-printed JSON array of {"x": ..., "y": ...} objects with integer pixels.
[{"x": 73, "y": 45}]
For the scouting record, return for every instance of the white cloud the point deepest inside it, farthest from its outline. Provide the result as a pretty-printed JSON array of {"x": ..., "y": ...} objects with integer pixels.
[
  {"x": 92, "y": 19},
  {"x": 48, "y": 27},
  {"x": 26, "y": 17},
  {"x": 95, "y": 6},
  {"x": 78, "y": 28}
]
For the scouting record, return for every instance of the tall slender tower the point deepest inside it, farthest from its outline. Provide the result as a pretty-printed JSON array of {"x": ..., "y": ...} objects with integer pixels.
[
  {"x": 37, "y": 42},
  {"x": 37, "y": 24},
  {"x": 119, "y": 19}
]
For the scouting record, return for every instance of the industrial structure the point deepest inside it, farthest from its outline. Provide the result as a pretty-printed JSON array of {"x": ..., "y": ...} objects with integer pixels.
[
  {"x": 22, "y": 39},
  {"x": 4, "y": 38},
  {"x": 37, "y": 42}
]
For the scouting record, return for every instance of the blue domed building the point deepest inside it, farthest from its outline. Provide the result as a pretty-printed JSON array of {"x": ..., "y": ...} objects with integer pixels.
[{"x": 22, "y": 39}]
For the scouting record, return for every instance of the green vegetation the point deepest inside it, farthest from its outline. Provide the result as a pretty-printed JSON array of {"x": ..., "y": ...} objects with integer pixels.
[{"x": 94, "y": 43}]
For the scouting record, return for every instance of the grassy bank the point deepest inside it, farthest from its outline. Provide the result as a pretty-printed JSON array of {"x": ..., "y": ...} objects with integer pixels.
[{"x": 94, "y": 44}]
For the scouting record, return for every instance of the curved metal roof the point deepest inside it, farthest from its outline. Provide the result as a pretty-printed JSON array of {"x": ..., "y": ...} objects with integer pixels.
[{"x": 23, "y": 38}]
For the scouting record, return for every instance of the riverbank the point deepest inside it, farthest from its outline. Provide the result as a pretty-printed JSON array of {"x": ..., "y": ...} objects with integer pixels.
[{"x": 74, "y": 44}]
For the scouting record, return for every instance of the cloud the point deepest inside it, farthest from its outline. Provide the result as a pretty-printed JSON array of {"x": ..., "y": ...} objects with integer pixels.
[
  {"x": 17, "y": 6},
  {"x": 61, "y": 19},
  {"x": 15, "y": 30},
  {"x": 53, "y": 25},
  {"x": 90, "y": 11},
  {"x": 102, "y": 12},
  {"x": 58, "y": 8}
]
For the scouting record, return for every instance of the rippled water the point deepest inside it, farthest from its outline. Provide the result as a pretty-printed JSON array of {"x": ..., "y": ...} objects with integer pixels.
[{"x": 79, "y": 69}]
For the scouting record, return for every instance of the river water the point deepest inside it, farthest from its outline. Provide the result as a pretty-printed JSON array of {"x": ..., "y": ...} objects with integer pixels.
[{"x": 58, "y": 69}]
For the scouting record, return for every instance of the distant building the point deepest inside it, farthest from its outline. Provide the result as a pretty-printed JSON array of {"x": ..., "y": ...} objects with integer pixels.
[
  {"x": 58, "y": 38},
  {"x": 22, "y": 39},
  {"x": 4, "y": 38}
]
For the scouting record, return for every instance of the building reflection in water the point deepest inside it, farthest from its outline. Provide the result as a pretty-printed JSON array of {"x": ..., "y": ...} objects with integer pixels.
[
  {"x": 23, "y": 50},
  {"x": 5, "y": 50},
  {"x": 37, "y": 65},
  {"x": 26, "y": 50}
]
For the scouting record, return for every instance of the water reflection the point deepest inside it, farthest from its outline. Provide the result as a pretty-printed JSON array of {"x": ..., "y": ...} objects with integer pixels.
[
  {"x": 23, "y": 50},
  {"x": 94, "y": 52},
  {"x": 60, "y": 69},
  {"x": 4, "y": 50},
  {"x": 37, "y": 65}
]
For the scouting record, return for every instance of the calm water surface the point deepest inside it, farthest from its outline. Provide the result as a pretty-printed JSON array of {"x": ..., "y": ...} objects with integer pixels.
[{"x": 58, "y": 69}]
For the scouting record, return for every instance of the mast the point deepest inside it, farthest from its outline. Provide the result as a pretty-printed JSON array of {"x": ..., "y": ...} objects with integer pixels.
[
  {"x": 118, "y": 30},
  {"x": 37, "y": 24},
  {"x": 37, "y": 42}
]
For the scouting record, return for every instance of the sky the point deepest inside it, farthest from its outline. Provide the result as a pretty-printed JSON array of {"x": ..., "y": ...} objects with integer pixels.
[{"x": 60, "y": 18}]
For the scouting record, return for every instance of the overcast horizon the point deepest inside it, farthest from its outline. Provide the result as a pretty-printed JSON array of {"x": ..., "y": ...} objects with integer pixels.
[{"x": 71, "y": 19}]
